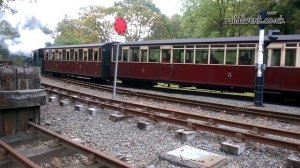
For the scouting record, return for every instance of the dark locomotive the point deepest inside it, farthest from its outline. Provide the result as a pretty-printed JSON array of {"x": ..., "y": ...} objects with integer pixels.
[{"x": 218, "y": 63}]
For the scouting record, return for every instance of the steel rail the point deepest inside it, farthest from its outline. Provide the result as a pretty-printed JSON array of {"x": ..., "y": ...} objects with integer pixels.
[
  {"x": 126, "y": 108},
  {"x": 97, "y": 156},
  {"x": 16, "y": 156},
  {"x": 287, "y": 117},
  {"x": 176, "y": 113}
]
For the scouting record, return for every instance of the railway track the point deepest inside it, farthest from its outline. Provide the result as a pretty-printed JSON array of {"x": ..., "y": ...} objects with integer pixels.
[
  {"x": 242, "y": 131},
  {"x": 14, "y": 155},
  {"x": 267, "y": 114},
  {"x": 93, "y": 156}
]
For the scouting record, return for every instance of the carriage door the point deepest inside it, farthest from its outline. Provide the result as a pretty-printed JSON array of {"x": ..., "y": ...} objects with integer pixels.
[
  {"x": 165, "y": 63},
  {"x": 273, "y": 73}
]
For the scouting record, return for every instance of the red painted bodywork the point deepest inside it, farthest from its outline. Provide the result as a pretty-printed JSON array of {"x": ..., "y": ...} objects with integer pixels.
[
  {"x": 283, "y": 78},
  {"x": 231, "y": 76},
  {"x": 90, "y": 69}
]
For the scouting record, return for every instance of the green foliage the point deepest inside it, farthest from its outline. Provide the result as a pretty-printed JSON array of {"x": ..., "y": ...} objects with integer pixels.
[
  {"x": 95, "y": 24},
  {"x": 73, "y": 31},
  {"x": 6, "y": 32},
  {"x": 200, "y": 18},
  {"x": 141, "y": 16},
  {"x": 4, "y": 6},
  {"x": 205, "y": 18}
]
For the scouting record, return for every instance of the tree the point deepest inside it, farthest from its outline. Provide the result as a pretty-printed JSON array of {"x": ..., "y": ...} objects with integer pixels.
[
  {"x": 99, "y": 20},
  {"x": 4, "y": 6},
  {"x": 205, "y": 18},
  {"x": 95, "y": 23},
  {"x": 71, "y": 31},
  {"x": 141, "y": 16},
  {"x": 6, "y": 32},
  {"x": 167, "y": 28}
]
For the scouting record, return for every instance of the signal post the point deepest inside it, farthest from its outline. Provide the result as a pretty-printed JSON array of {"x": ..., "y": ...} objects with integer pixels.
[
  {"x": 120, "y": 26},
  {"x": 259, "y": 80}
]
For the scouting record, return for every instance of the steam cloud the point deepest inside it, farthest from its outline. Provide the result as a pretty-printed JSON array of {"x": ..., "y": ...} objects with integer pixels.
[{"x": 33, "y": 35}]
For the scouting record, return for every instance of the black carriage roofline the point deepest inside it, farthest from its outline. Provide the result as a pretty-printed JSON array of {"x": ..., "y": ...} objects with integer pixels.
[
  {"x": 249, "y": 39},
  {"x": 76, "y": 46}
]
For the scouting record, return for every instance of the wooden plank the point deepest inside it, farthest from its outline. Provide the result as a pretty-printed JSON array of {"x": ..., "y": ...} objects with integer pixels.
[
  {"x": 9, "y": 122},
  {"x": 22, "y": 119},
  {"x": 22, "y": 98},
  {"x": 1, "y": 124},
  {"x": 8, "y": 78}
]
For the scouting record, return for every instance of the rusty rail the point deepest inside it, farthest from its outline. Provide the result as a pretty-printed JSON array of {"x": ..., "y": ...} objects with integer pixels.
[
  {"x": 147, "y": 111},
  {"x": 94, "y": 155},
  {"x": 176, "y": 113},
  {"x": 16, "y": 156},
  {"x": 287, "y": 117}
]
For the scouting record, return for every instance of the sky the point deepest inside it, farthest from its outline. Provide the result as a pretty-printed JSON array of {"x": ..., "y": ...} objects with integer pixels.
[{"x": 50, "y": 12}]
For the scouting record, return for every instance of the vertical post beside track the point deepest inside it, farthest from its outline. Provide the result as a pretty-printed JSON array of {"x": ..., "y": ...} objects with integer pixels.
[
  {"x": 259, "y": 80},
  {"x": 116, "y": 72},
  {"x": 259, "y": 88}
]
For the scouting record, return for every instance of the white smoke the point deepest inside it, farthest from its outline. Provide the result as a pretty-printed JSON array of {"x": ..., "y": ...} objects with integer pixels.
[{"x": 28, "y": 41}]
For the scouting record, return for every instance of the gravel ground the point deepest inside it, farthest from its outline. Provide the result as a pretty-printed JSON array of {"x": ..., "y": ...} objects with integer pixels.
[{"x": 142, "y": 148}]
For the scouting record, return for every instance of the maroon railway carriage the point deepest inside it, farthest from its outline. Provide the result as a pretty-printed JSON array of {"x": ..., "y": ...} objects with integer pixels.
[
  {"x": 223, "y": 63},
  {"x": 89, "y": 60}
]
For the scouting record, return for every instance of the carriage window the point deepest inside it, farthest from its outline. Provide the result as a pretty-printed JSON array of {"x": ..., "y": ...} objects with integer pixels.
[
  {"x": 247, "y": 45},
  {"x": 72, "y": 55},
  {"x": 231, "y": 56},
  {"x": 217, "y": 46},
  {"x": 134, "y": 55},
  {"x": 275, "y": 57},
  {"x": 189, "y": 55},
  {"x": 56, "y": 55},
  {"x": 144, "y": 55},
  {"x": 95, "y": 55},
  {"x": 154, "y": 54},
  {"x": 85, "y": 55},
  {"x": 166, "y": 55},
  {"x": 231, "y": 45},
  {"x": 114, "y": 54},
  {"x": 76, "y": 55},
  {"x": 80, "y": 58},
  {"x": 64, "y": 56},
  {"x": 125, "y": 55},
  {"x": 246, "y": 56},
  {"x": 46, "y": 55},
  {"x": 178, "y": 46},
  {"x": 53, "y": 55},
  {"x": 49, "y": 55},
  {"x": 290, "y": 57},
  {"x": 59, "y": 55},
  {"x": 100, "y": 54},
  {"x": 217, "y": 56},
  {"x": 178, "y": 55},
  {"x": 189, "y": 46},
  {"x": 291, "y": 45},
  {"x": 68, "y": 55},
  {"x": 201, "y": 46},
  {"x": 90, "y": 54},
  {"x": 201, "y": 56}
]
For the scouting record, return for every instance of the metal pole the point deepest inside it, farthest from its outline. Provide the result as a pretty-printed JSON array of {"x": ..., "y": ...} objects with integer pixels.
[
  {"x": 259, "y": 76},
  {"x": 116, "y": 72}
]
